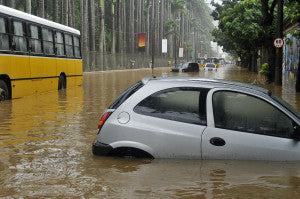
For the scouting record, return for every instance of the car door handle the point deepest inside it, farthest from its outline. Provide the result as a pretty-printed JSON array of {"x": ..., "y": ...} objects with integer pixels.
[{"x": 217, "y": 141}]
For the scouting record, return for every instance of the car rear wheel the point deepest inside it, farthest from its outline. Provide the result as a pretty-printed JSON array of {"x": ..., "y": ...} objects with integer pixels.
[
  {"x": 128, "y": 152},
  {"x": 61, "y": 82},
  {"x": 3, "y": 91}
]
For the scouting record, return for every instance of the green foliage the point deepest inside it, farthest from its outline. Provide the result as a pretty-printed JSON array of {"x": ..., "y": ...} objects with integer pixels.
[
  {"x": 171, "y": 25},
  {"x": 239, "y": 27},
  {"x": 188, "y": 46},
  {"x": 265, "y": 70},
  {"x": 178, "y": 6}
]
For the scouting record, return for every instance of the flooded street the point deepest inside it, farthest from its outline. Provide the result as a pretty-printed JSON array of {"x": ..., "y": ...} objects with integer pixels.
[{"x": 46, "y": 141}]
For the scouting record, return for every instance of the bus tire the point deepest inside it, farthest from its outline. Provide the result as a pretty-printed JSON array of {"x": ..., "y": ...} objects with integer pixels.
[
  {"x": 3, "y": 91},
  {"x": 61, "y": 82}
]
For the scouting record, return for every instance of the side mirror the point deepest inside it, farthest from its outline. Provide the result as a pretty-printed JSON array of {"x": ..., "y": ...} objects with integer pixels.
[{"x": 296, "y": 133}]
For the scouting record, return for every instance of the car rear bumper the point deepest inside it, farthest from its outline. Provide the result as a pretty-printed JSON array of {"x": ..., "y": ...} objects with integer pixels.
[{"x": 101, "y": 149}]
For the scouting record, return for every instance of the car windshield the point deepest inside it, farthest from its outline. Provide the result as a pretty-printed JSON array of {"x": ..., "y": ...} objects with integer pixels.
[
  {"x": 286, "y": 105},
  {"x": 185, "y": 65},
  {"x": 180, "y": 65},
  {"x": 210, "y": 66}
]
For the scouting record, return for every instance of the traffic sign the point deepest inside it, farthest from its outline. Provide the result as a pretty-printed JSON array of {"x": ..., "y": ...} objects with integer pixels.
[{"x": 278, "y": 42}]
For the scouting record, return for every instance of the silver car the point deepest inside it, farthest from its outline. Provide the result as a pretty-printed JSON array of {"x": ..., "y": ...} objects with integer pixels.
[{"x": 177, "y": 117}]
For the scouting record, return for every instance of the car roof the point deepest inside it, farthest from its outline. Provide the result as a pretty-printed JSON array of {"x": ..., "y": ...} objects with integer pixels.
[{"x": 213, "y": 83}]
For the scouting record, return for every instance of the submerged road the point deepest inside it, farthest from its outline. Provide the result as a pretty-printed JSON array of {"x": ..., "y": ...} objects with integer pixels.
[{"x": 46, "y": 139}]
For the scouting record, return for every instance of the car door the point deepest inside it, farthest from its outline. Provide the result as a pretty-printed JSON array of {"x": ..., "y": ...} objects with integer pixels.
[
  {"x": 171, "y": 122},
  {"x": 247, "y": 127}
]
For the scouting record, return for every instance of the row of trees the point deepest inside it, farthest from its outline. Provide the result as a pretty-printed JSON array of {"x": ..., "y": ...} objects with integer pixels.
[
  {"x": 247, "y": 27},
  {"x": 112, "y": 26}
]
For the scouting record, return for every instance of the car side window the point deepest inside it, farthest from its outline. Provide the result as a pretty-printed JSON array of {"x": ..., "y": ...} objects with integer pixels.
[
  {"x": 241, "y": 112},
  {"x": 179, "y": 104}
]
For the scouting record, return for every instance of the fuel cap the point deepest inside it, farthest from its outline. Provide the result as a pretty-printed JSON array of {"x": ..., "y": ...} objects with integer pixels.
[{"x": 123, "y": 118}]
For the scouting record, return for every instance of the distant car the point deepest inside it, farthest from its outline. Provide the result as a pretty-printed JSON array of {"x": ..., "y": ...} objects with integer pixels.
[
  {"x": 177, "y": 117},
  {"x": 186, "y": 67},
  {"x": 210, "y": 66}
]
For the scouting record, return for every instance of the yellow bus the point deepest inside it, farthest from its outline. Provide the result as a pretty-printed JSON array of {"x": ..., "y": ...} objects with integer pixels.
[{"x": 36, "y": 55}]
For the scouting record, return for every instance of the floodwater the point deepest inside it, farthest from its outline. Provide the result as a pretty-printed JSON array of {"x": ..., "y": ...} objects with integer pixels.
[{"x": 46, "y": 139}]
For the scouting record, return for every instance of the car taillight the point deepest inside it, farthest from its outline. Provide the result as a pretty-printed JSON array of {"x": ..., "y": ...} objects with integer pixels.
[{"x": 103, "y": 119}]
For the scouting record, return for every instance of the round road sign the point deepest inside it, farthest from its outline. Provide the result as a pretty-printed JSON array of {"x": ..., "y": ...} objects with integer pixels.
[{"x": 278, "y": 42}]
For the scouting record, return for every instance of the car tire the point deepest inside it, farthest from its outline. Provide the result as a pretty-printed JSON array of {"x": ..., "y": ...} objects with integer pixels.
[
  {"x": 61, "y": 82},
  {"x": 3, "y": 91},
  {"x": 127, "y": 152}
]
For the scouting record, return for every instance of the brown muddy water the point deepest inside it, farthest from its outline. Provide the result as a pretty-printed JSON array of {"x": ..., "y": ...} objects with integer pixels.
[{"x": 46, "y": 139}]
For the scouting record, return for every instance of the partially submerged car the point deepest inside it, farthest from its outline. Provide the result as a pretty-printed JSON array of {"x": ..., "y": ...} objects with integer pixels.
[
  {"x": 210, "y": 66},
  {"x": 186, "y": 67},
  {"x": 177, "y": 117}
]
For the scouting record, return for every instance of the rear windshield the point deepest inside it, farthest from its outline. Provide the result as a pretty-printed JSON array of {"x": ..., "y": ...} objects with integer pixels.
[
  {"x": 126, "y": 94},
  {"x": 210, "y": 65}
]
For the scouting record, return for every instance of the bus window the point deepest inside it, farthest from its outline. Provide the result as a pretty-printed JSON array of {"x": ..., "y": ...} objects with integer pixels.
[
  {"x": 35, "y": 39},
  {"x": 47, "y": 41},
  {"x": 19, "y": 38},
  {"x": 60, "y": 44},
  {"x": 77, "y": 47},
  {"x": 4, "y": 44},
  {"x": 69, "y": 45}
]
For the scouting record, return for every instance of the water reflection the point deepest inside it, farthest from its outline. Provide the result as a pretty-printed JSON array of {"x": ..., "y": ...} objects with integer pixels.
[{"x": 45, "y": 143}]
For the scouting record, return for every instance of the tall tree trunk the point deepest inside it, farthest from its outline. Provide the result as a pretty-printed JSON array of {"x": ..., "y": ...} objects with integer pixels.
[
  {"x": 278, "y": 62},
  {"x": 28, "y": 6},
  {"x": 131, "y": 26},
  {"x": 113, "y": 35},
  {"x": 92, "y": 34},
  {"x": 142, "y": 21},
  {"x": 268, "y": 15},
  {"x": 137, "y": 19},
  {"x": 170, "y": 37},
  {"x": 161, "y": 25},
  {"x": 12, "y": 3},
  {"x": 119, "y": 27},
  {"x": 84, "y": 33},
  {"x": 66, "y": 12},
  {"x": 55, "y": 12},
  {"x": 124, "y": 26},
  {"x": 41, "y": 8},
  {"x": 156, "y": 28},
  {"x": 73, "y": 13},
  {"x": 62, "y": 11},
  {"x": 101, "y": 35},
  {"x": 148, "y": 31},
  {"x": 70, "y": 13},
  {"x": 153, "y": 28}
]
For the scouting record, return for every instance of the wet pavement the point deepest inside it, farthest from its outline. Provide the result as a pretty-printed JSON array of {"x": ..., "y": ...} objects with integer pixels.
[{"x": 46, "y": 139}]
